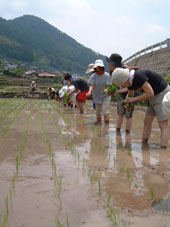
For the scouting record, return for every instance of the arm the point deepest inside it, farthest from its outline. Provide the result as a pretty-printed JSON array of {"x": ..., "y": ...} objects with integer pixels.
[
  {"x": 148, "y": 93},
  {"x": 90, "y": 90},
  {"x": 74, "y": 91},
  {"x": 121, "y": 91}
]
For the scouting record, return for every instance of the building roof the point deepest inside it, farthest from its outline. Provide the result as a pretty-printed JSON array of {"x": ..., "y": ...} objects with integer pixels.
[{"x": 44, "y": 74}]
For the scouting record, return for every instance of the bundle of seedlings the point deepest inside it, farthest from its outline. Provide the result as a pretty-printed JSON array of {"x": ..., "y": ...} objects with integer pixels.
[
  {"x": 111, "y": 89},
  {"x": 66, "y": 98},
  {"x": 128, "y": 106}
]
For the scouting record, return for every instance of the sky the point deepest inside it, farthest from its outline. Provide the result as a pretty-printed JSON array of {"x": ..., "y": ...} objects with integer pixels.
[{"x": 105, "y": 26}]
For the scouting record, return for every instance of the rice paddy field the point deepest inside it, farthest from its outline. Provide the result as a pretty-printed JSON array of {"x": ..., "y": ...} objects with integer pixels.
[{"x": 57, "y": 168}]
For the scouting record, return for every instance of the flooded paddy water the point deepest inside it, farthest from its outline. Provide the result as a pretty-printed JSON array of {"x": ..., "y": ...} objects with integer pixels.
[{"x": 57, "y": 168}]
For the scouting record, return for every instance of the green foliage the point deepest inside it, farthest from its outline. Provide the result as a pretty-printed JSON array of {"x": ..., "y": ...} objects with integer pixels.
[
  {"x": 33, "y": 40},
  {"x": 111, "y": 88},
  {"x": 14, "y": 72},
  {"x": 66, "y": 98}
]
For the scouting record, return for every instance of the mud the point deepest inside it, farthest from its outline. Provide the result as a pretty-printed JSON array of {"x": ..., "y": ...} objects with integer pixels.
[{"x": 57, "y": 168}]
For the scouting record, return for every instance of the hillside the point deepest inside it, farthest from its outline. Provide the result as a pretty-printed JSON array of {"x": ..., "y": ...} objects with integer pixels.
[{"x": 33, "y": 40}]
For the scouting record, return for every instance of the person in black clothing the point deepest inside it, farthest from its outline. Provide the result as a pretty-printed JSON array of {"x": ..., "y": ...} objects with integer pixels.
[
  {"x": 81, "y": 87},
  {"x": 115, "y": 60},
  {"x": 154, "y": 88}
]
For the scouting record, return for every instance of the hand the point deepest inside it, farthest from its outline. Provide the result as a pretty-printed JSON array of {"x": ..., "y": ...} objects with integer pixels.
[
  {"x": 129, "y": 100},
  {"x": 88, "y": 94},
  {"x": 105, "y": 91}
]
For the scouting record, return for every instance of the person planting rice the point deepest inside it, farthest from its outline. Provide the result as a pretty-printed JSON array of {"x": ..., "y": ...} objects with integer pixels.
[
  {"x": 51, "y": 93},
  {"x": 115, "y": 60},
  {"x": 81, "y": 88},
  {"x": 98, "y": 82},
  {"x": 33, "y": 86},
  {"x": 154, "y": 88}
]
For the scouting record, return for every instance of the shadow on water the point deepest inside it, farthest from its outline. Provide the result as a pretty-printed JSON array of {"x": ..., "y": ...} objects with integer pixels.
[{"x": 162, "y": 205}]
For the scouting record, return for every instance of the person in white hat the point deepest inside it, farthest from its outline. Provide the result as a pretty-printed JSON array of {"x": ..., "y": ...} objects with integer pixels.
[
  {"x": 98, "y": 82},
  {"x": 154, "y": 88},
  {"x": 90, "y": 69},
  {"x": 33, "y": 86}
]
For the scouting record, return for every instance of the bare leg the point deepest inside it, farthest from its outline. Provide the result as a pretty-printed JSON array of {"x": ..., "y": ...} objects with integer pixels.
[
  {"x": 147, "y": 127},
  {"x": 128, "y": 124},
  {"x": 106, "y": 118},
  {"x": 163, "y": 125},
  {"x": 80, "y": 106},
  {"x": 119, "y": 121}
]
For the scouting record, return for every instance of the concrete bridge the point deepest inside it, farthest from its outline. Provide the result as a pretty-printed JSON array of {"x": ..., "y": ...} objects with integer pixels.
[{"x": 155, "y": 58}]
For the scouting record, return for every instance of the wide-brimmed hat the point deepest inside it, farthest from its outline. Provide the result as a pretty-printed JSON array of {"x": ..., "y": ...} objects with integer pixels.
[
  {"x": 120, "y": 76},
  {"x": 90, "y": 68},
  {"x": 115, "y": 59},
  {"x": 98, "y": 62}
]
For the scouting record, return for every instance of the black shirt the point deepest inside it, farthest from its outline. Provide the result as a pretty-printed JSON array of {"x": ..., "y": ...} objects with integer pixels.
[
  {"x": 80, "y": 83},
  {"x": 156, "y": 81}
]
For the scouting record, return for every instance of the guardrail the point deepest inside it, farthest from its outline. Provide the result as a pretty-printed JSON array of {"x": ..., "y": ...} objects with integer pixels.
[{"x": 164, "y": 44}]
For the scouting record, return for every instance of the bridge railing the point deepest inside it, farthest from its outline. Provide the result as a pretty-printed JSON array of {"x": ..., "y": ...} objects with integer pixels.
[{"x": 163, "y": 44}]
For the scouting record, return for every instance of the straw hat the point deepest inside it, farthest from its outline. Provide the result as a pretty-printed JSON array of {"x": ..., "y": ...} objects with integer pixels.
[
  {"x": 90, "y": 68},
  {"x": 120, "y": 76}
]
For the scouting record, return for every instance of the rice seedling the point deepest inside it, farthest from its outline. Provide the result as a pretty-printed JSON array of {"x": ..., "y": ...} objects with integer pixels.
[
  {"x": 128, "y": 174},
  {"x": 68, "y": 224},
  {"x": 122, "y": 168},
  {"x": 10, "y": 192},
  {"x": 17, "y": 165},
  {"x": 91, "y": 176},
  {"x": 108, "y": 200},
  {"x": 6, "y": 205},
  {"x": 59, "y": 184},
  {"x": 58, "y": 223},
  {"x": 99, "y": 188},
  {"x": 13, "y": 181},
  {"x": 112, "y": 216},
  {"x": 129, "y": 150},
  {"x": 120, "y": 146},
  {"x": 152, "y": 193}
]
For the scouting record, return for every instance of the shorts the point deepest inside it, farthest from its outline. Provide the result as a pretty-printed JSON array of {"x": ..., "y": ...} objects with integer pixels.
[
  {"x": 155, "y": 105},
  {"x": 81, "y": 96},
  {"x": 121, "y": 110},
  {"x": 103, "y": 108}
]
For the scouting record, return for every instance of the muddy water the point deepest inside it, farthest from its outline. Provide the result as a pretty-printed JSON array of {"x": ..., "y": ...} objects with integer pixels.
[{"x": 74, "y": 173}]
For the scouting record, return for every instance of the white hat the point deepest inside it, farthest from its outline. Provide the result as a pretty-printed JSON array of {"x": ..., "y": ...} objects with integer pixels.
[
  {"x": 166, "y": 105},
  {"x": 98, "y": 62},
  {"x": 90, "y": 68},
  {"x": 120, "y": 76}
]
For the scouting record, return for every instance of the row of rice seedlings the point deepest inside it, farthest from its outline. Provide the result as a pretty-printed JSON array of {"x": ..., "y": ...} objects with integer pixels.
[
  {"x": 18, "y": 113},
  {"x": 68, "y": 143},
  {"x": 93, "y": 179},
  {"x": 18, "y": 157},
  {"x": 57, "y": 179},
  {"x": 66, "y": 120},
  {"x": 8, "y": 110}
]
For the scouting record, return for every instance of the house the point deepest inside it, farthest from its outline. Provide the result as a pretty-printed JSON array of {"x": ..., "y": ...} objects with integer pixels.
[
  {"x": 46, "y": 75},
  {"x": 30, "y": 74},
  {"x": 10, "y": 66}
]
